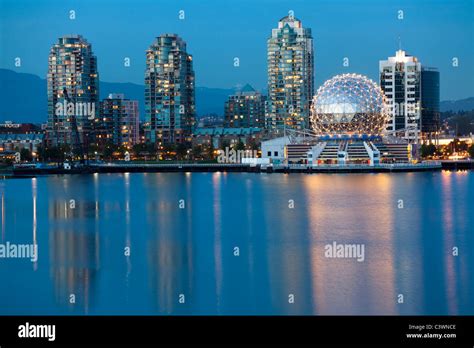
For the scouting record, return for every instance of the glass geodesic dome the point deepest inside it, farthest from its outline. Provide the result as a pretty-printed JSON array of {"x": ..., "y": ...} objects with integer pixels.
[{"x": 349, "y": 104}]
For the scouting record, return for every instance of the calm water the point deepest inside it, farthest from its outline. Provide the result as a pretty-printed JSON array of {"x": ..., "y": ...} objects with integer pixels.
[{"x": 190, "y": 251}]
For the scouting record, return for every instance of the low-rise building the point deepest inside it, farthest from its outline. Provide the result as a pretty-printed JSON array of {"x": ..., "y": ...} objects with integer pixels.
[
  {"x": 17, "y": 142},
  {"x": 10, "y": 127},
  {"x": 119, "y": 121},
  {"x": 245, "y": 108}
]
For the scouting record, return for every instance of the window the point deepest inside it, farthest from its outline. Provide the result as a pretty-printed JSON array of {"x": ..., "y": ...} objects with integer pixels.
[
  {"x": 269, "y": 154},
  {"x": 275, "y": 153}
]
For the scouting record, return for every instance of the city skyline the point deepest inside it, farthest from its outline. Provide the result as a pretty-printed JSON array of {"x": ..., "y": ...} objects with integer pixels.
[
  {"x": 246, "y": 40},
  {"x": 73, "y": 91},
  {"x": 247, "y": 159}
]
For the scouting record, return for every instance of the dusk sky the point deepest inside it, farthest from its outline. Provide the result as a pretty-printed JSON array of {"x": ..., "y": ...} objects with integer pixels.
[{"x": 216, "y": 31}]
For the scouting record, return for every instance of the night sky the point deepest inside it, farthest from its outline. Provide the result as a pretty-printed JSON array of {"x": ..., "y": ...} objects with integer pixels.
[{"x": 217, "y": 31}]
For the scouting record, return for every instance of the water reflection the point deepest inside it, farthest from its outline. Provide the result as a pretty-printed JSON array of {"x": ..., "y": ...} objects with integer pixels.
[
  {"x": 170, "y": 247},
  {"x": 216, "y": 243},
  {"x": 74, "y": 246},
  {"x": 340, "y": 283},
  {"x": 457, "y": 232},
  {"x": 35, "y": 242}
]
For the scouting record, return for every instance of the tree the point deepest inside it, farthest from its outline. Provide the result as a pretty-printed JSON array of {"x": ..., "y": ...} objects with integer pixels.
[
  {"x": 427, "y": 150},
  {"x": 143, "y": 149},
  {"x": 253, "y": 145},
  {"x": 169, "y": 151},
  {"x": 93, "y": 148},
  {"x": 196, "y": 152},
  {"x": 181, "y": 151},
  {"x": 109, "y": 149},
  {"x": 471, "y": 151},
  {"x": 458, "y": 146},
  {"x": 225, "y": 143},
  {"x": 52, "y": 153},
  {"x": 203, "y": 152},
  {"x": 239, "y": 146},
  {"x": 40, "y": 150},
  {"x": 122, "y": 149},
  {"x": 25, "y": 155},
  {"x": 210, "y": 151}
]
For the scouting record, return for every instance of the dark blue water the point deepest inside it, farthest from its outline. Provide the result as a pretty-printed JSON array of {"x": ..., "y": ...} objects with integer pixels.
[{"x": 280, "y": 223}]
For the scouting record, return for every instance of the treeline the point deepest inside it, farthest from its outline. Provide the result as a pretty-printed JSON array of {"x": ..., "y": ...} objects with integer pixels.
[
  {"x": 431, "y": 151},
  {"x": 147, "y": 152},
  {"x": 461, "y": 122}
]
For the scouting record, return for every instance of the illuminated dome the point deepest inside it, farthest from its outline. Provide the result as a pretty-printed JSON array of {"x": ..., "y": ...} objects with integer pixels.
[{"x": 349, "y": 104}]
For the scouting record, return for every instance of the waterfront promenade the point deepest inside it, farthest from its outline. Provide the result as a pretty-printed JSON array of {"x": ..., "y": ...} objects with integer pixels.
[{"x": 130, "y": 167}]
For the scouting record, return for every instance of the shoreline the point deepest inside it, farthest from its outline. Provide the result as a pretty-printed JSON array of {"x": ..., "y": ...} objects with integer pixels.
[{"x": 240, "y": 168}]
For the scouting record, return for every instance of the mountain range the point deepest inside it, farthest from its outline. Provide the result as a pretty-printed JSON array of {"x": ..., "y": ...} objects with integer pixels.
[
  {"x": 23, "y": 97},
  {"x": 457, "y": 105}
]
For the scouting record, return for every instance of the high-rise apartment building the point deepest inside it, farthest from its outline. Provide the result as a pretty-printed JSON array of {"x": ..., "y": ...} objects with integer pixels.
[
  {"x": 290, "y": 76},
  {"x": 400, "y": 79},
  {"x": 73, "y": 92},
  {"x": 169, "y": 91},
  {"x": 430, "y": 115},
  {"x": 119, "y": 121},
  {"x": 245, "y": 108},
  {"x": 412, "y": 93}
]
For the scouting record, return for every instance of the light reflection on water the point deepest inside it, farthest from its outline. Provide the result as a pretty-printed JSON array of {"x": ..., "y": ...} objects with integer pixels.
[{"x": 183, "y": 230}]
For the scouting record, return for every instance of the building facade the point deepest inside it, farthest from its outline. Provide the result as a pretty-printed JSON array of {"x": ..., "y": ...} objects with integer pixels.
[
  {"x": 244, "y": 109},
  {"x": 400, "y": 79},
  {"x": 430, "y": 114},
  {"x": 119, "y": 121},
  {"x": 169, "y": 91},
  {"x": 17, "y": 141},
  {"x": 73, "y": 92},
  {"x": 290, "y": 59},
  {"x": 9, "y": 127}
]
